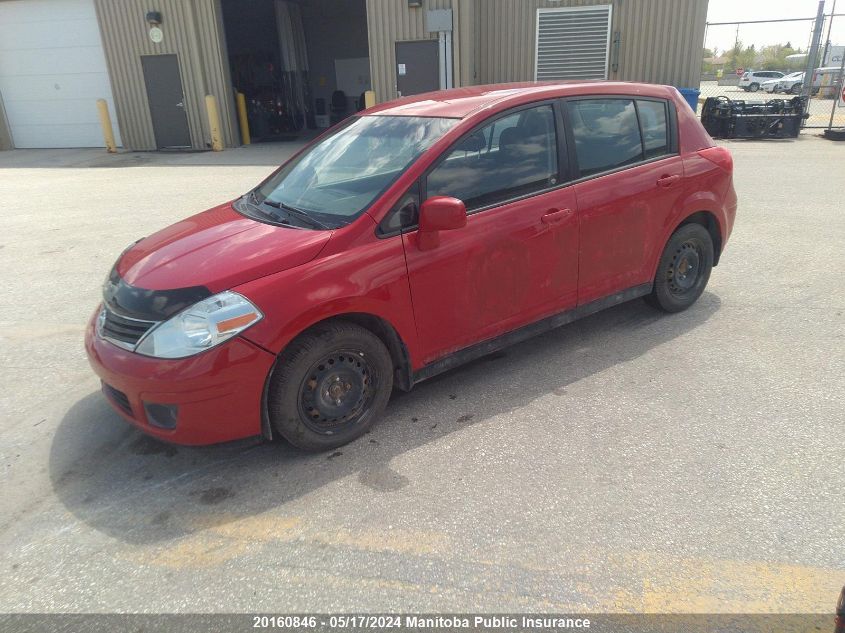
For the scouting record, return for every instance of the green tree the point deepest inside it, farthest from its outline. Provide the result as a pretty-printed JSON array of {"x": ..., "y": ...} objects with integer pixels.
[
  {"x": 707, "y": 66},
  {"x": 741, "y": 57},
  {"x": 774, "y": 57}
]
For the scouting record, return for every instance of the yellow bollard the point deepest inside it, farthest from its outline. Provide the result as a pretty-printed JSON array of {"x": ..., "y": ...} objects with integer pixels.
[
  {"x": 241, "y": 102},
  {"x": 105, "y": 123},
  {"x": 214, "y": 123},
  {"x": 369, "y": 99}
]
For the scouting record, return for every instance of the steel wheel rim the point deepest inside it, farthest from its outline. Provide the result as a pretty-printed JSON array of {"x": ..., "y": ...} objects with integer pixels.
[
  {"x": 685, "y": 268},
  {"x": 337, "y": 392}
]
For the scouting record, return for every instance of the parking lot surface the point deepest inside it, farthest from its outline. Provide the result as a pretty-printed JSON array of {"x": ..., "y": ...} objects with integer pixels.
[{"x": 631, "y": 461}]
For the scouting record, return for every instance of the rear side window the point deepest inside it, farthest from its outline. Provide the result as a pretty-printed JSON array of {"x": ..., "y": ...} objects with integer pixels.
[
  {"x": 613, "y": 133},
  {"x": 654, "y": 128},
  {"x": 606, "y": 133},
  {"x": 513, "y": 156}
]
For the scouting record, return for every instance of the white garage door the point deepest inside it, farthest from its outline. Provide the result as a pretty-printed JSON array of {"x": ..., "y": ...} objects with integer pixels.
[{"x": 52, "y": 71}]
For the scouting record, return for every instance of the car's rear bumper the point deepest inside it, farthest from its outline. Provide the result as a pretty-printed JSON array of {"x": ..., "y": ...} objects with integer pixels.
[{"x": 215, "y": 396}]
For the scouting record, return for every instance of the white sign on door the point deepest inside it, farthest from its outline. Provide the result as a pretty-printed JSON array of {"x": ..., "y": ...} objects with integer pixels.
[{"x": 402, "y": 70}]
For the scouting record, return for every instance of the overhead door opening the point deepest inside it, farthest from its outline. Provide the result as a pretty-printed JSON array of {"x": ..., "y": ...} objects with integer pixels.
[
  {"x": 52, "y": 71},
  {"x": 301, "y": 66},
  {"x": 572, "y": 43}
]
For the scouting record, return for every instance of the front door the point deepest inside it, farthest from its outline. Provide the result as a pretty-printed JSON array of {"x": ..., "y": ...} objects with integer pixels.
[
  {"x": 516, "y": 260},
  {"x": 417, "y": 67},
  {"x": 167, "y": 101}
]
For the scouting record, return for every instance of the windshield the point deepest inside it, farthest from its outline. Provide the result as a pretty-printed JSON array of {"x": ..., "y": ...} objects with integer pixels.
[{"x": 338, "y": 178}]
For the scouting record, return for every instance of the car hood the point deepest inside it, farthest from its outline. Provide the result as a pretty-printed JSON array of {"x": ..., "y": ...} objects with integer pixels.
[{"x": 217, "y": 249}]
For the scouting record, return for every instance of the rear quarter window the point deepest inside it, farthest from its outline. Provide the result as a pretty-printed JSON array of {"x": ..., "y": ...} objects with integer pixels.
[{"x": 655, "y": 127}]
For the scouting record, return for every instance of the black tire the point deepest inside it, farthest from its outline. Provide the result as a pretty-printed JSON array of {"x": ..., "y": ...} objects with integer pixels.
[
  {"x": 330, "y": 386},
  {"x": 684, "y": 269},
  {"x": 754, "y": 87},
  {"x": 796, "y": 89}
]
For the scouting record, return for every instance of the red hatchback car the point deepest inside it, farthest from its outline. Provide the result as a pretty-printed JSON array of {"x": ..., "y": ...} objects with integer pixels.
[{"x": 421, "y": 234}]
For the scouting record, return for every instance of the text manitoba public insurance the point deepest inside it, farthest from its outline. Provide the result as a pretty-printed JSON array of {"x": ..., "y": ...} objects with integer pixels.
[{"x": 496, "y": 622}]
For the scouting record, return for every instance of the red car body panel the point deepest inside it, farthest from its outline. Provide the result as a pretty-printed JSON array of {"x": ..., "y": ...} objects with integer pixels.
[
  {"x": 202, "y": 251},
  {"x": 506, "y": 268},
  {"x": 218, "y": 392},
  {"x": 356, "y": 274},
  {"x": 618, "y": 214},
  {"x": 509, "y": 267}
]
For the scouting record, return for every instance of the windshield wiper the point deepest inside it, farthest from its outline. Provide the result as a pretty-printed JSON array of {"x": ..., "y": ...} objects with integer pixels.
[
  {"x": 256, "y": 207},
  {"x": 299, "y": 213}
]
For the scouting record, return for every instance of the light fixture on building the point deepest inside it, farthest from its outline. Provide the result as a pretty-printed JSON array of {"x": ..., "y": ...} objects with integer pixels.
[
  {"x": 153, "y": 18},
  {"x": 414, "y": 4}
]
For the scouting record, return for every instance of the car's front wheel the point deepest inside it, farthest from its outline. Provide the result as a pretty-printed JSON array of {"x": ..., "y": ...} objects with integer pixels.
[
  {"x": 330, "y": 386},
  {"x": 796, "y": 89},
  {"x": 754, "y": 87},
  {"x": 684, "y": 269}
]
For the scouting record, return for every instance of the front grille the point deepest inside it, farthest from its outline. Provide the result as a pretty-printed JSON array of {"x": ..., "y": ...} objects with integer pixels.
[
  {"x": 123, "y": 329},
  {"x": 118, "y": 397}
]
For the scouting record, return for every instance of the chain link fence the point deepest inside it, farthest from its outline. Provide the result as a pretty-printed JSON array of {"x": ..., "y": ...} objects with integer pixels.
[{"x": 753, "y": 71}]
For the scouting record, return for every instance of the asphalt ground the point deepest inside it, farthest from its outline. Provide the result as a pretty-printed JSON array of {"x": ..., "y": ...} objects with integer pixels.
[{"x": 631, "y": 461}]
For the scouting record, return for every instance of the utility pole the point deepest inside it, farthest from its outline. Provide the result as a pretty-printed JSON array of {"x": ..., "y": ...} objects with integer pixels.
[
  {"x": 829, "y": 28},
  {"x": 812, "y": 54}
]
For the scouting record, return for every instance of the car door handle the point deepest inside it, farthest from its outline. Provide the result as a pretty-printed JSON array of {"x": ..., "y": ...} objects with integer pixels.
[
  {"x": 555, "y": 215},
  {"x": 668, "y": 181}
]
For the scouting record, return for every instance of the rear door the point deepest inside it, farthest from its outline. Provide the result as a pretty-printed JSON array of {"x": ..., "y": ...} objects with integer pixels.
[
  {"x": 516, "y": 260},
  {"x": 630, "y": 179}
]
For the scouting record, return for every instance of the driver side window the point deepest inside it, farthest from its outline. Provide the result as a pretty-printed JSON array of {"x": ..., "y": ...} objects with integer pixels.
[{"x": 511, "y": 157}]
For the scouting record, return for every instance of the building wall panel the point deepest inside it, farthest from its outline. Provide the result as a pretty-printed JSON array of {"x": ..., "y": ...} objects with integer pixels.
[
  {"x": 125, "y": 39},
  {"x": 5, "y": 132},
  {"x": 391, "y": 21},
  {"x": 661, "y": 40}
]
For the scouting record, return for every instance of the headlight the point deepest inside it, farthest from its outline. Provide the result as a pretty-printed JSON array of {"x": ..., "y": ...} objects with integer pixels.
[{"x": 202, "y": 326}]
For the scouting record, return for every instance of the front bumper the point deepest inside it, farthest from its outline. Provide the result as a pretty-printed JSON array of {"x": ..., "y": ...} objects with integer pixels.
[{"x": 217, "y": 394}]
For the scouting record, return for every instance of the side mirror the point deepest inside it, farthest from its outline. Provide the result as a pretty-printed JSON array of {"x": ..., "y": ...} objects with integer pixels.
[{"x": 440, "y": 213}]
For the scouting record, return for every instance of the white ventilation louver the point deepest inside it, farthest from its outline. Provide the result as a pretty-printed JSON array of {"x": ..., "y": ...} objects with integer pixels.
[{"x": 572, "y": 43}]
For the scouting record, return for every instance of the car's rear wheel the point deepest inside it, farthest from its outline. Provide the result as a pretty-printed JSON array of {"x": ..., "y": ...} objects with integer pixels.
[
  {"x": 684, "y": 269},
  {"x": 330, "y": 386},
  {"x": 754, "y": 87}
]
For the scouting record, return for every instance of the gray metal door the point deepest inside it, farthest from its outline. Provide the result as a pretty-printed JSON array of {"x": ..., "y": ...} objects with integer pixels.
[
  {"x": 167, "y": 101},
  {"x": 417, "y": 67}
]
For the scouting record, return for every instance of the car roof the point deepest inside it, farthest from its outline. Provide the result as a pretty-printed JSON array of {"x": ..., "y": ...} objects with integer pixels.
[{"x": 460, "y": 103}]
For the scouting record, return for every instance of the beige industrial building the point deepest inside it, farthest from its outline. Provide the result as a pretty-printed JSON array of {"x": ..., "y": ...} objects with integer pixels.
[{"x": 304, "y": 64}]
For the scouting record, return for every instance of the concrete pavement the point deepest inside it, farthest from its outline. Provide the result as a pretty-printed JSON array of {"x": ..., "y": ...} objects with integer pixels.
[{"x": 629, "y": 462}]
